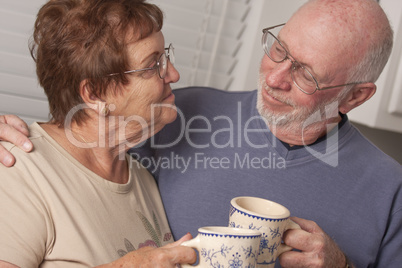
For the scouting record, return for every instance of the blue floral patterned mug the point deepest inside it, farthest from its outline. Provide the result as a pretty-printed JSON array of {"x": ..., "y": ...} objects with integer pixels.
[
  {"x": 225, "y": 247},
  {"x": 268, "y": 217}
]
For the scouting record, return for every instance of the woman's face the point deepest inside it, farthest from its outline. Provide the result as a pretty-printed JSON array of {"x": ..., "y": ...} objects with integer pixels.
[{"x": 146, "y": 104}]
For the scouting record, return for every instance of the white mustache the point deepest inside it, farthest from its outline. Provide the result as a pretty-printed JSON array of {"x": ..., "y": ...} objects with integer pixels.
[{"x": 277, "y": 96}]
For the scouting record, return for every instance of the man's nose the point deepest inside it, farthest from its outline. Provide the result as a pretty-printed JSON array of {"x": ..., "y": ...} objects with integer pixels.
[{"x": 279, "y": 77}]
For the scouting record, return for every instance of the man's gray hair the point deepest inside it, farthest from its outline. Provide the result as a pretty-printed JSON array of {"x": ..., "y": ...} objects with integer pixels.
[{"x": 372, "y": 64}]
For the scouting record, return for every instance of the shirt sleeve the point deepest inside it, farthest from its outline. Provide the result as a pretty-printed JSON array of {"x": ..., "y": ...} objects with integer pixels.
[{"x": 24, "y": 221}]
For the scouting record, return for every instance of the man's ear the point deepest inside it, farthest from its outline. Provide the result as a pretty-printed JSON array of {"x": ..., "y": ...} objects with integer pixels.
[{"x": 358, "y": 95}]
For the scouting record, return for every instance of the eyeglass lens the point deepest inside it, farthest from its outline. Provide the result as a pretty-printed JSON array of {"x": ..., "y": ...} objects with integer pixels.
[
  {"x": 301, "y": 77},
  {"x": 163, "y": 64}
]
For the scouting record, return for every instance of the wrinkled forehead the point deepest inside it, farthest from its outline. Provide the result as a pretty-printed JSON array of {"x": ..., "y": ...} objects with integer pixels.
[
  {"x": 320, "y": 34},
  {"x": 324, "y": 53}
]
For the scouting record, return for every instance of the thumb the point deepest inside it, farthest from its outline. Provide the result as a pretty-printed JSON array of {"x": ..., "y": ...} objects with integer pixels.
[{"x": 185, "y": 237}]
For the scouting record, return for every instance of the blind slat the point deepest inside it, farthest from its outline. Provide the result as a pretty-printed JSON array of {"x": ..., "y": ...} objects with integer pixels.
[
  {"x": 29, "y": 7},
  {"x": 207, "y": 35},
  {"x": 16, "y": 22},
  {"x": 22, "y": 86},
  {"x": 236, "y": 9},
  {"x": 14, "y": 43},
  {"x": 23, "y": 106},
  {"x": 184, "y": 39},
  {"x": 193, "y": 20},
  {"x": 17, "y": 65}
]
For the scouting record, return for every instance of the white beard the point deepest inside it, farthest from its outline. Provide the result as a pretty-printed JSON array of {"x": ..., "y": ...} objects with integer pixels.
[{"x": 301, "y": 118}]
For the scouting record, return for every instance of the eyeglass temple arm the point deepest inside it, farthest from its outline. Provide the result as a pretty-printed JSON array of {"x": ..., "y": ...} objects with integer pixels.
[{"x": 272, "y": 27}]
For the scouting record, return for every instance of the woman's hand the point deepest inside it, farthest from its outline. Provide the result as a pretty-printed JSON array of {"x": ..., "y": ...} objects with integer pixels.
[
  {"x": 163, "y": 257},
  {"x": 14, "y": 130}
]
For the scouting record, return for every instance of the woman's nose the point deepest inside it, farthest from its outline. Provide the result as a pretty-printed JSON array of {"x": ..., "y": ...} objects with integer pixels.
[
  {"x": 172, "y": 75},
  {"x": 278, "y": 76}
]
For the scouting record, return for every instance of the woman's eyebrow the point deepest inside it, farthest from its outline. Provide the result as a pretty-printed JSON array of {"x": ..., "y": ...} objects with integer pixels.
[{"x": 149, "y": 57}]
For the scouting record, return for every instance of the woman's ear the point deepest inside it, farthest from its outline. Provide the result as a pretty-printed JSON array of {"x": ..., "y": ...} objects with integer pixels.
[
  {"x": 87, "y": 95},
  {"x": 91, "y": 100},
  {"x": 358, "y": 95}
]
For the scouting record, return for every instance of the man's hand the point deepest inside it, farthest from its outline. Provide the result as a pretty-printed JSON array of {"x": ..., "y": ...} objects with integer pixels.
[
  {"x": 14, "y": 130},
  {"x": 317, "y": 248}
]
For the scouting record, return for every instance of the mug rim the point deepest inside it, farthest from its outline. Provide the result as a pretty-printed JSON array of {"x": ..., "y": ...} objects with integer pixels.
[
  {"x": 228, "y": 231},
  {"x": 282, "y": 216}
]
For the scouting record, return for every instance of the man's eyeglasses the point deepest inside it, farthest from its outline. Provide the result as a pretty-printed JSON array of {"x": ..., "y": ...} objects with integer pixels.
[
  {"x": 160, "y": 66},
  {"x": 301, "y": 76}
]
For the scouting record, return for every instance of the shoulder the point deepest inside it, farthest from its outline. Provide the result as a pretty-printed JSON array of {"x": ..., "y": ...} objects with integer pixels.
[
  {"x": 26, "y": 162},
  {"x": 366, "y": 148},
  {"x": 367, "y": 157},
  {"x": 33, "y": 136}
]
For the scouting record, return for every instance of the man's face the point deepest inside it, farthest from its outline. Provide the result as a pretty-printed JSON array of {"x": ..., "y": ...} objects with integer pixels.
[{"x": 280, "y": 101}]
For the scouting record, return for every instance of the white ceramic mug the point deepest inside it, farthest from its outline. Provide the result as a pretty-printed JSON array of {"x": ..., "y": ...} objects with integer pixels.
[
  {"x": 225, "y": 247},
  {"x": 268, "y": 217}
]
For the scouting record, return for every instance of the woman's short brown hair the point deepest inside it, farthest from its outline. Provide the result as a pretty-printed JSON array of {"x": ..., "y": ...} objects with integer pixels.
[{"x": 75, "y": 40}]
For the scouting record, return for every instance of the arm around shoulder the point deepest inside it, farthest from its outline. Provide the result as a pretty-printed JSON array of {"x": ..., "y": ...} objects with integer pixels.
[{"x": 13, "y": 129}]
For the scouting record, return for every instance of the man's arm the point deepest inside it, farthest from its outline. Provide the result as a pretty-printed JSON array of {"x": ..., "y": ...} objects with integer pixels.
[{"x": 14, "y": 130}]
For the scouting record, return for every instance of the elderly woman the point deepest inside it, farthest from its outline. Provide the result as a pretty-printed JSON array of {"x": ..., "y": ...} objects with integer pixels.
[{"x": 79, "y": 199}]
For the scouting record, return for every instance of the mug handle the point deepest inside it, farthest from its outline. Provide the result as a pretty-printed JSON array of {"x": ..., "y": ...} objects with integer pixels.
[
  {"x": 283, "y": 247},
  {"x": 193, "y": 243}
]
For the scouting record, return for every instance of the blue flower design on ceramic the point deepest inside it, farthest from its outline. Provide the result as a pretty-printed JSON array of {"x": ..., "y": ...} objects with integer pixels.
[
  {"x": 275, "y": 233},
  {"x": 251, "y": 226},
  {"x": 263, "y": 243},
  {"x": 236, "y": 262},
  {"x": 250, "y": 253},
  {"x": 232, "y": 224},
  {"x": 273, "y": 248},
  {"x": 211, "y": 257}
]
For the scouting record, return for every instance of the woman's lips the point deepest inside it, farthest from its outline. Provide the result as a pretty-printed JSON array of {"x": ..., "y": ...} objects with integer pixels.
[{"x": 169, "y": 97}]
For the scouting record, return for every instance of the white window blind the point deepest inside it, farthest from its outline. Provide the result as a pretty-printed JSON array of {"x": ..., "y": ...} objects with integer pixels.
[
  {"x": 212, "y": 40},
  {"x": 19, "y": 90},
  {"x": 207, "y": 35}
]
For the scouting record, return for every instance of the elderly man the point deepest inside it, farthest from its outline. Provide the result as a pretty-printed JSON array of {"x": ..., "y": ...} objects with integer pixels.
[{"x": 291, "y": 142}]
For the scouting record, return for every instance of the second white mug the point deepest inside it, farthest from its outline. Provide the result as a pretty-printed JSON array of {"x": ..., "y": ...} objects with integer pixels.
[
  {"x": 225, "y": 247},
  {"x": 268, "y": 217}
]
